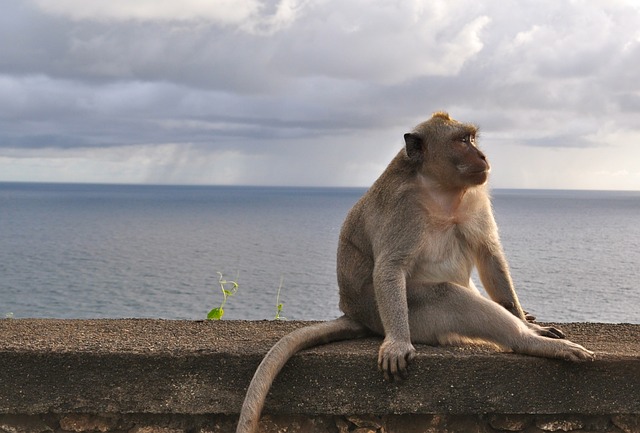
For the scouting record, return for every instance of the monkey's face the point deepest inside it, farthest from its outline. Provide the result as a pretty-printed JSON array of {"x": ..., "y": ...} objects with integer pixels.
[
  {"x": 445, "y": 150},
  {"x": 470, "y": 165}
]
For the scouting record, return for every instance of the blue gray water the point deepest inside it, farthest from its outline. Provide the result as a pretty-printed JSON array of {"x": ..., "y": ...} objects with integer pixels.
[{"x": 93, "y": 251}]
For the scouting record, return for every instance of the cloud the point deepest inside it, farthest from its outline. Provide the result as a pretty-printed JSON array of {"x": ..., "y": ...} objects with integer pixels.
[
  {"x": 251, "y": 16},
  {"x": 286, "y": 91},
  {"x": 387, "y": 44},
  {"x": 250, "y": 47},
  {"x": 224, "y": 12}
]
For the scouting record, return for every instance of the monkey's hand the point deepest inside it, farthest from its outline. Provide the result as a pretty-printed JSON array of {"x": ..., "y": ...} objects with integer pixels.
[
  {"x": 546, "y": 331},
  {"x": 393, "y": 358},
  {"x": 517, "y": 311}
]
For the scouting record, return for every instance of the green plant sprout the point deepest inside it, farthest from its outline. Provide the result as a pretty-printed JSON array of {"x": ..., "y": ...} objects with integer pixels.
[
  {"x": 217, "y": 313},
  {"x": 279, "y": 305}
]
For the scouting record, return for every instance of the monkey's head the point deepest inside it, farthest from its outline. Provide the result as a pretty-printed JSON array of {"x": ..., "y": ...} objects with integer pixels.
[{"x": 445, "y": 150}]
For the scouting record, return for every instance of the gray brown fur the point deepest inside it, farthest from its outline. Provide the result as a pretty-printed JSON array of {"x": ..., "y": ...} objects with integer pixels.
[{"x": 405, "y": 256}]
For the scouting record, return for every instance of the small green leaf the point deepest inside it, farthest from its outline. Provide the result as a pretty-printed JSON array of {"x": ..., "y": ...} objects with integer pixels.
[
  {"x": 215, "y": 314},
  {"x": 227, "y": 292}
]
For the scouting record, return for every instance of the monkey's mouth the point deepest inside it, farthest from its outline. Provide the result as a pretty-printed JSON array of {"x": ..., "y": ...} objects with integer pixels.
[
  {"x": 479, "y": 171},
  {"x": 478, "y": 176},
  {"x": 475, "y": 171}
]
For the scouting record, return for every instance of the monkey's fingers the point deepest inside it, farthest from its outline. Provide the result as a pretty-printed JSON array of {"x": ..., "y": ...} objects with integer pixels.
[
  {"x": 551, "y": 332},
  {"x": 388, "y": 366},
  {"x": 383, "y": 365},
  {"x": 394, "y": 369},
  {"x": 546, "y": 331},
  {"x": 393, "y": 360}
]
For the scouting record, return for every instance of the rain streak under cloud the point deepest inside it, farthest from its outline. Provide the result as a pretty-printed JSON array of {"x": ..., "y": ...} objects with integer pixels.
[{"x": 315, "y": 92}]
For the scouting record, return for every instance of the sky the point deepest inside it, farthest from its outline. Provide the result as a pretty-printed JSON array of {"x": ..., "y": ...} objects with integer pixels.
[{"x": 315, "y": 93}]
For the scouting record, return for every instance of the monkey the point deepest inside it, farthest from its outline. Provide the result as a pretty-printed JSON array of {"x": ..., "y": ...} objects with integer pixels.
[{"x": 405, "y": 255}]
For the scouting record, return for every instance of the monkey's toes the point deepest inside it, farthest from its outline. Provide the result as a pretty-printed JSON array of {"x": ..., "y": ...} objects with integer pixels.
[{"x": 586, "y": 355}]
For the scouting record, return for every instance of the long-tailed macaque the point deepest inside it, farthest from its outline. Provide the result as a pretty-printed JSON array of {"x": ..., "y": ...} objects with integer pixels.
[{"x": 405, "y": 256}]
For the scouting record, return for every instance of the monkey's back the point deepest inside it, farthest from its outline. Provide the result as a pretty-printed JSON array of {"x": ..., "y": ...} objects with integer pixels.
[{"x": 356, "y": 245}]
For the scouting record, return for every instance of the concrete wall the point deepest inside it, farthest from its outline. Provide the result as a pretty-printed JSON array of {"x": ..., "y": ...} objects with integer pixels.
[{"x": 145, "y": 376}]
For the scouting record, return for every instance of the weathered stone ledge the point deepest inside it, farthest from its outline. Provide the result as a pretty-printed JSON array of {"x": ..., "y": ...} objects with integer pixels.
[{"x": 122, "y": 369}]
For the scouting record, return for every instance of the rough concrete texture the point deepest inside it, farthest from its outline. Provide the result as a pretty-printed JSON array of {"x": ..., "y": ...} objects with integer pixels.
[
  {"x": 146, "y": 423},
  {"x": 190, "y": 367}
]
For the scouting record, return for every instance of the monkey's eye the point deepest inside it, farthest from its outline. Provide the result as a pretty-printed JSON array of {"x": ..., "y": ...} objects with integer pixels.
[{"x": 469, "y": 139}]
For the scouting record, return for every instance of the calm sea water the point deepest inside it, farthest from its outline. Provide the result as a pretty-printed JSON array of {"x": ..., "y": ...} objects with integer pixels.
[{"x": 92, "y": 251}]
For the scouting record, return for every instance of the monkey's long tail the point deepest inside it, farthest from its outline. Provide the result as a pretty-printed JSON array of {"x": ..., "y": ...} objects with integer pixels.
[{"x": 339, "y": 329}]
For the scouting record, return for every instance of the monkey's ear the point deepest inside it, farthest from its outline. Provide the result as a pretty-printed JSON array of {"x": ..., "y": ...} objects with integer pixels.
[{"x": 414, "y": 146}]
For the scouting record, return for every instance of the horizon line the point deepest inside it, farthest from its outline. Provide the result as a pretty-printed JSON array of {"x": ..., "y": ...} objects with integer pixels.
[{"x": 187, "y": 185}]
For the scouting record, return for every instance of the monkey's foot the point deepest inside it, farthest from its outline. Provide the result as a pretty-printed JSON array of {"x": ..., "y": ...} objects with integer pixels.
[
  {"x": 537, "y": 345},
  {"x": 555, "y": 348},
  {"x": 575, "y": 352}
]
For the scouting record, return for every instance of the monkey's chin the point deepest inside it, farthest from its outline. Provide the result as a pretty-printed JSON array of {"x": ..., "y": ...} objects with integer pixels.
[{"x": 478, "y": 178}]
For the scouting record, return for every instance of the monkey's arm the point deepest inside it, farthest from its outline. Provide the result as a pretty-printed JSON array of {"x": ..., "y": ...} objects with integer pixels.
[
  {"x": 389, "y": 284},
  {"x": 494, "y": 274}
]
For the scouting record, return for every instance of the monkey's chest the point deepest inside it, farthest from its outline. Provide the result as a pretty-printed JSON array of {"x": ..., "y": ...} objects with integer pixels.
[{"x": 446, "y": 256}]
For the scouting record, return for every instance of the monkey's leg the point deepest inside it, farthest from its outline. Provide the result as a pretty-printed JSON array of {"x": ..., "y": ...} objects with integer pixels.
[{"x": 439, "y": 313}]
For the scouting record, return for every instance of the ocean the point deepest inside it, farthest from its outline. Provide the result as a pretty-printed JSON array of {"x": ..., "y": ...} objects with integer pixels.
[{"x": 115, "y": 251}]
